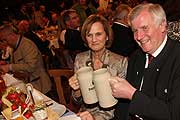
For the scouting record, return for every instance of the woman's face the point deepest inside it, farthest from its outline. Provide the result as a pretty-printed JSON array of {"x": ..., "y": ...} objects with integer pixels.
[{"x": 96, "y": 38}]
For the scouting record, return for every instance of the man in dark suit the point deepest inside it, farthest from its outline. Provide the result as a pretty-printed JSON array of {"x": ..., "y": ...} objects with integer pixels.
[
  {"x": 151, "y": 90},
  {"x": 42, "y": 45},
  {"x": 71, "y": 36},
  {"x": 123, "y": 43}
]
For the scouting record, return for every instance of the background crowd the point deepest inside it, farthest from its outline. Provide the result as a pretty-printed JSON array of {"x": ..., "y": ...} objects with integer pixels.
[
  {"x": 45, "y": 23},
  {"x": 76, "y": 33}
]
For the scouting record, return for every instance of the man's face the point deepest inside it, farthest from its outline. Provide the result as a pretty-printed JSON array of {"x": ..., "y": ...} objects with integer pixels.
[
  {"x": 74, "y": 20},
  {"x": 6, "y": 39},
  {"x": 54, "y": 17},
  {"x": 24, "y": 26},
  {"x": 42, "y": 8},
  {"x": 3, "y": 44},
  {"x": 3, "y": 40},
  {"x": 148, "y": 34}
]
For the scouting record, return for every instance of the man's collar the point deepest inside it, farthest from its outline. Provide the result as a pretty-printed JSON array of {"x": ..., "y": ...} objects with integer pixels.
[
  {"x": 121, "y": 24},
  {"x": 18, "y": 42},
  {"x": 156, "y": 53}
]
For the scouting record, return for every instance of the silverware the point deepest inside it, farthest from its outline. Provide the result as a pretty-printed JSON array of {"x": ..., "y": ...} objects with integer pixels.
[
  {"x": 30, "y": 89},
  {"x": 43, "y": 106},
  {"x": 32, "y": 97},
  {"x": 47, "y": 105}
]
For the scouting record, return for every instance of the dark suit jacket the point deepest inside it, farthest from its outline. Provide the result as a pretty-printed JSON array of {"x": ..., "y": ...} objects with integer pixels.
[
  {"x": 73, "y": 40},
  {"x": 123, "y": 43},
  {"x": 160, "y": 97},
  {"x": 42, "y": 45}
]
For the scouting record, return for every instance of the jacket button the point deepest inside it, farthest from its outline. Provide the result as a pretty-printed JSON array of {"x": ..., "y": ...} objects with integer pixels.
[
  {"x": 137, "y": 73},
  {"x": 165, "y": 90},
  {"x": 157, "y": 70}
]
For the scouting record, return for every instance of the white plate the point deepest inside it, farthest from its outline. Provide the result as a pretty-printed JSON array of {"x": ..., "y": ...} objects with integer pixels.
[
  {"x": 58, "y": 108},
  {"x": 2, "y": 117}
]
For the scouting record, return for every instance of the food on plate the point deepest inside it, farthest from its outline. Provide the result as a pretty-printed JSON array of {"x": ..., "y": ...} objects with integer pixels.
[
  {"x": 40, "y": 111},
  {"x": 16, "y": 104}
]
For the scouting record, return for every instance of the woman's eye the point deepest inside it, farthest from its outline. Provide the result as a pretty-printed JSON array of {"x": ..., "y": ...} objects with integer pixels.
[
  {"x": 89, "y": 35},
  {"x": 98, "y": 34}
]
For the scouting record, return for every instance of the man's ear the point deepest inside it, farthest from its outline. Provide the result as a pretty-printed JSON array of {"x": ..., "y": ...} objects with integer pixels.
[{"x": 163, "y": 26}]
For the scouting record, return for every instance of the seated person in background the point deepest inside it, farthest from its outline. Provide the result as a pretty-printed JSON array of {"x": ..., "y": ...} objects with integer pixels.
[
  {"x": 26, "y": 58},
  {"x": 84, "y": 8},
  {"x": 42, "y": 45},
  {"x": 123, "y": 43},
  {"x": 98, "y": 36},
  {"x": 71, "y": 36},
  {"x": 22, "y": 13},
  {"x": 41, "y": 19},
  {"x": 53, "y": 22}
]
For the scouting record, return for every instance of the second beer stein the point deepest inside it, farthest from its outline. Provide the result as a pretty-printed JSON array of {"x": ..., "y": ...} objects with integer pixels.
[{"x": 103, "y": 89}]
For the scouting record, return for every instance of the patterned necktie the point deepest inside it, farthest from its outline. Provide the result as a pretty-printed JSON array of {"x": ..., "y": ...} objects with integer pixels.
[{"x": 150, "y": 58}]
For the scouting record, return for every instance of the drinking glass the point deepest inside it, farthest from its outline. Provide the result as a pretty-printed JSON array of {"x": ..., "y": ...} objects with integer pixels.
[{"x": 2, "y": 86}]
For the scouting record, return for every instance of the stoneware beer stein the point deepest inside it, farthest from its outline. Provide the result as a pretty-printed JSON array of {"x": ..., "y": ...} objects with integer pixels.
[
  {"x": 103, "y": 89},
  {"x": 85, "y": 77}
]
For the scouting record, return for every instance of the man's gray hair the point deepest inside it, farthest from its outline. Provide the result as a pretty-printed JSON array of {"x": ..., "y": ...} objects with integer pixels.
[
  {"x": 9, "y": 28},
  {"x": 156, "y": 11},
  {"x": 121, "y": 11}
]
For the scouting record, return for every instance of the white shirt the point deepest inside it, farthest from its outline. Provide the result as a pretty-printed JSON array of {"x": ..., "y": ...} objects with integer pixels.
[{"x": 156, "y": 53}]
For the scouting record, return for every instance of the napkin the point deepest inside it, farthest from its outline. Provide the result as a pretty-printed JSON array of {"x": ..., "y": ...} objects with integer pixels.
[
  {"x": 9, "y": 79},
  {"x": 52, "y": 115},
  {"x": 70, "y": 117}
]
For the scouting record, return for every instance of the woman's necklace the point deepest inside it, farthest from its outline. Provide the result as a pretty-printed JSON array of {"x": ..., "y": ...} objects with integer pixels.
[
  {"x": 103, "y": 60},
  {"x": 98, "y": 60}
]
